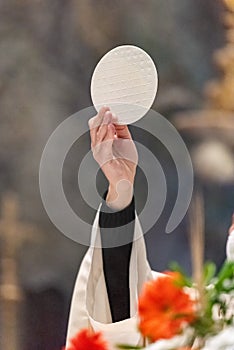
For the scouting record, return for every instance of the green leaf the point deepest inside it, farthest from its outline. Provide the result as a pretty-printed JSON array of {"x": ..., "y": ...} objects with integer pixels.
[
  {"x": 209, "y": 272},
  {"x": 186, "y": 281},
  {"x": 203, "y": 326},
  {"x": 124, "y": 346},
  {"x": 226, "y": 272}
]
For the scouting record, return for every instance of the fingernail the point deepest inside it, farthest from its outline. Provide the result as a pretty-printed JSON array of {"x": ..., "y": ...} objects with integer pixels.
[
  {"x": 114, "y": 117},
  {"x": 107, "y": 117}
]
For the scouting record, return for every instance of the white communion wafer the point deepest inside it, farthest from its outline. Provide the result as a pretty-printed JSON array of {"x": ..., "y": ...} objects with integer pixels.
[{"x": 126, "y": 80}]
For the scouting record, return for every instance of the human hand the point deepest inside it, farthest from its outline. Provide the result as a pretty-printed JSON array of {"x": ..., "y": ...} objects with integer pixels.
[{"x": 115, "y": 152}]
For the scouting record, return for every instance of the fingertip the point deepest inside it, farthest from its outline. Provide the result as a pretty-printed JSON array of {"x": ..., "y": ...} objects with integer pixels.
[
  {"x": 114, "y": 118},
  {"x": 108, "y": 112},
  {"x": 103, "y": 110},
  {"x": 107, "y": 117}
]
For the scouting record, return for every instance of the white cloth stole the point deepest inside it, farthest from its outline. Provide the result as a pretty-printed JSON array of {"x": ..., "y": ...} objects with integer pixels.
[{"x": 90, "y": 305}]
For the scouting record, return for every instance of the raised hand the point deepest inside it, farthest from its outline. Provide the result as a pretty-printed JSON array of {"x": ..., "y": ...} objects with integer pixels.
[{"x": 115, "y": 152}]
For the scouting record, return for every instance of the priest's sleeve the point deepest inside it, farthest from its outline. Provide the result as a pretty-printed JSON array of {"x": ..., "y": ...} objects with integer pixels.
[
  {"x": 94, "y": 303},
  {"x": 116, "y": 258}
]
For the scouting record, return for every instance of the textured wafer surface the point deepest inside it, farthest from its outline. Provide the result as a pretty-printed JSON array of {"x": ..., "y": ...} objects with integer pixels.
[{"x": 126, "y": 80}]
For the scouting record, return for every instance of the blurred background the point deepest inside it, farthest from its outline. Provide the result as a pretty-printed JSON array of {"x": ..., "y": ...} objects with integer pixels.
[{"x": 48, "y": 50}]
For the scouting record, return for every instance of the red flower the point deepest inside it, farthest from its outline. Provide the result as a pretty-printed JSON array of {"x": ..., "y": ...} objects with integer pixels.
[
  {"x": 164, "y": 307},
  {"x": 87, "y": 340}
]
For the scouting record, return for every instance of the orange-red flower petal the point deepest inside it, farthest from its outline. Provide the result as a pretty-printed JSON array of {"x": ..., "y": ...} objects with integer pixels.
[
  {"x": 87, "y": 340},
  {"x": 164, "y": 308}
]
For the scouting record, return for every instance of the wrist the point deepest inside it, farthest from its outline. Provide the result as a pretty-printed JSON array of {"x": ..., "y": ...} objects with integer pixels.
[{"x": 119, "y": 195}]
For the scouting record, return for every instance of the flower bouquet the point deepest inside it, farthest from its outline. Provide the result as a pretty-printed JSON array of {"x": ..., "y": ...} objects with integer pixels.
[{"x": 176, "y": 314}]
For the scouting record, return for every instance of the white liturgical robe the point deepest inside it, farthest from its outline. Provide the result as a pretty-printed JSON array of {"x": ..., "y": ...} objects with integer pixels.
[{"x": 90, "y": 305}]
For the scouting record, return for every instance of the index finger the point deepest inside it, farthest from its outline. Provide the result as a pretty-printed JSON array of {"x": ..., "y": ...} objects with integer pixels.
[{"x": 95, "y": 122}]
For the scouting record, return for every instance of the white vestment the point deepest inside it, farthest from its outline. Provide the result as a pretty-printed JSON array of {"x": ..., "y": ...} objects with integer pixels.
[{"x": 90, "y": 305}]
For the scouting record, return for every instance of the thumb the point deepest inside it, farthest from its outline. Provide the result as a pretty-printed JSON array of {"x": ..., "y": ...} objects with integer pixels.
[{"x": 122, "y": 131}]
